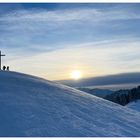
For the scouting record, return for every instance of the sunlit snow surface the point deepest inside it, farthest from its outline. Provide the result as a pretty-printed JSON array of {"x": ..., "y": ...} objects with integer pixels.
[{"x": 30, "y": 106}]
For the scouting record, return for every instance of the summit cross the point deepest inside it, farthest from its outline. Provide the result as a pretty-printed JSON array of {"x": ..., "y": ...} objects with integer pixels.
[{"x": 0, "y": 58}]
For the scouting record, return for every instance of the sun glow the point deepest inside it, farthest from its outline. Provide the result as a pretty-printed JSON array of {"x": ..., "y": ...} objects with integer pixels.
[{"x": 76, "y": 74}]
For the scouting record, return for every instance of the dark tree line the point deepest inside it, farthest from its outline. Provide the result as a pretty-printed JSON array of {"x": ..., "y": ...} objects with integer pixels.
[{"x": 124, "y": 97}]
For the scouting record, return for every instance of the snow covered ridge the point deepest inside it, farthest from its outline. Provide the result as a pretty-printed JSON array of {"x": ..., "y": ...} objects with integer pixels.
[{"x": 31, "y": 106}]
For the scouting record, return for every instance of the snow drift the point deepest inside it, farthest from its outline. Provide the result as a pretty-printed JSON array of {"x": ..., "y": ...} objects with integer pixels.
[{"x": 31, "y": 106}]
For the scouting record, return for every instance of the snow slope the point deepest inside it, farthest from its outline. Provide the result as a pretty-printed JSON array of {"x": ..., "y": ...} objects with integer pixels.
[
  {"x": 31, "y": 106},
  {"x": 134, "y": 105}
]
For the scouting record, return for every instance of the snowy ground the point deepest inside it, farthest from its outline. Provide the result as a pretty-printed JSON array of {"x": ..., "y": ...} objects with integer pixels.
[
  {"x": 134, "y": 105},
  {"x": 30, "y": 106}
]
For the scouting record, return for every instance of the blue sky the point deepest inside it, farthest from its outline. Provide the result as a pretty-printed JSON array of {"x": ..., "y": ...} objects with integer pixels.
[{"x": 51, "y": 40}]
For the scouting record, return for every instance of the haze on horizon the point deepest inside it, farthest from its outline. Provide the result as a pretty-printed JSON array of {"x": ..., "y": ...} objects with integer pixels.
[{"x": 52, "y": 40}]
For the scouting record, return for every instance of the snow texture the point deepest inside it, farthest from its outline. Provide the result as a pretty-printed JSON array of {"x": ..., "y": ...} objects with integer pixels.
[
  {"x": 134, "y": 105},
  {"x": 31, "y": 106}
]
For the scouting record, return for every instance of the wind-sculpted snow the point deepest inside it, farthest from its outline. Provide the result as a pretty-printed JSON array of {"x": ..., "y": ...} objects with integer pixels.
[{"x": 31, "y": 106}]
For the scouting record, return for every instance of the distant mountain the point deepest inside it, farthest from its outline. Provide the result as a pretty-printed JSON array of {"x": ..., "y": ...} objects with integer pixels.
[
  {"x": 117, "y": 79},
  {"x": 97, "y": 92},
  {"x": 124, "y": 97}
]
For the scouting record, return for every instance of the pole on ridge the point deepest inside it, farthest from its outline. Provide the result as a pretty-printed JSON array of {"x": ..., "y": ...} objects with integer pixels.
[{"x": 0, "y": 58}]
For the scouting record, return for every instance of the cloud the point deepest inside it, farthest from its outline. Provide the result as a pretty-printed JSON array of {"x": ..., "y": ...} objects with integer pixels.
[
  {"x": 93, "y": 59},
  {"x": 25, "y": 28},
  {"x": 65, "y": 15},
  {"x": 93, "y": 38}
]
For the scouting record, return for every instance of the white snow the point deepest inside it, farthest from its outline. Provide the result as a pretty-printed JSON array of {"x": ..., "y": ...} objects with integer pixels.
[
  {"x": 134, "y": 105},
  {"x": 31, "y": 106}
]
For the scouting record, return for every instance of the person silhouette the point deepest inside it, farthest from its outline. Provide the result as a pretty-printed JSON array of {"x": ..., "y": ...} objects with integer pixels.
[
  {"x": 8, "y": 68},
  {"x": 4, "y": 68}
]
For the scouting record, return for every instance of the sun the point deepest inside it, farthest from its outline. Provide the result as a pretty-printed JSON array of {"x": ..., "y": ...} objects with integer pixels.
[{"x": 76, "y": 74}]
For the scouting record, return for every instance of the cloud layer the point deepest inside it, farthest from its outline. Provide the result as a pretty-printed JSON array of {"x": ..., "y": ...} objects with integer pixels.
[
  {"x": 35, "y": 28},
  {"x": 104, "y": 39}
]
